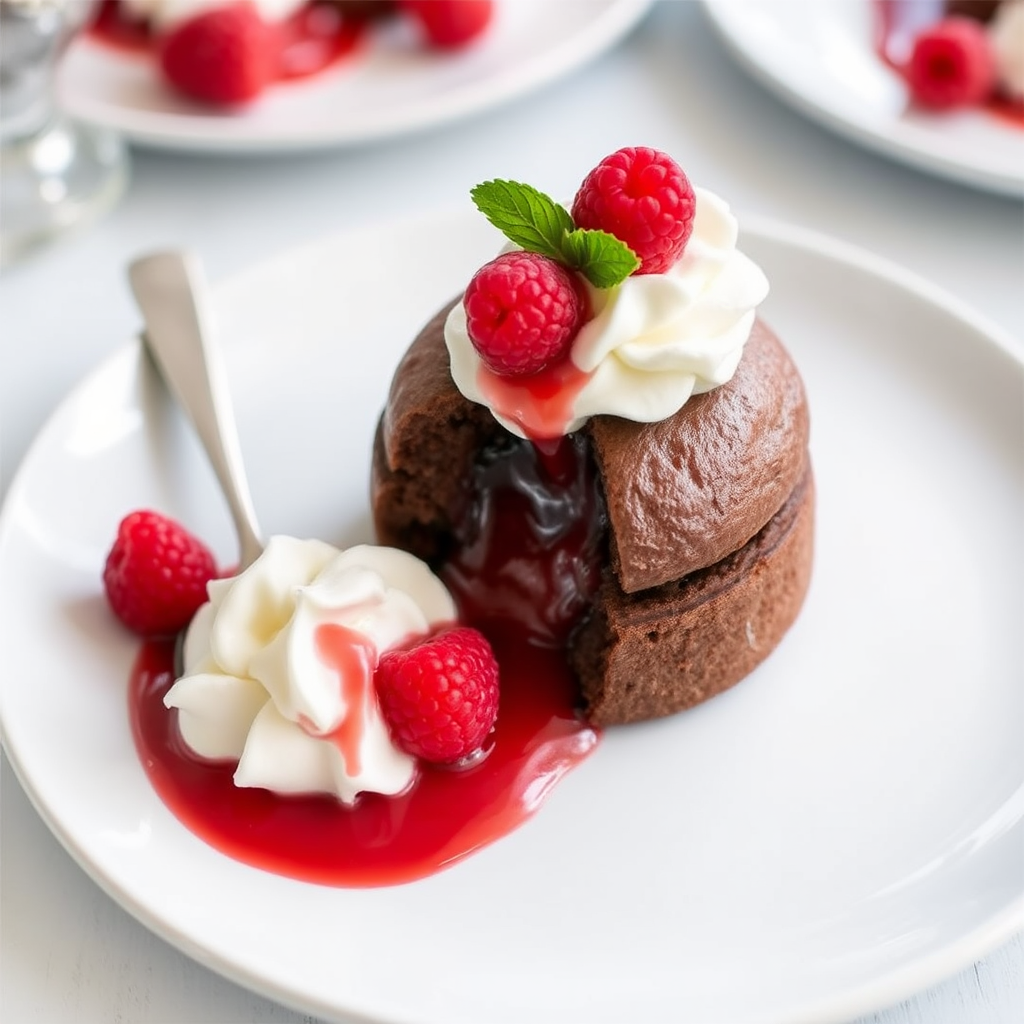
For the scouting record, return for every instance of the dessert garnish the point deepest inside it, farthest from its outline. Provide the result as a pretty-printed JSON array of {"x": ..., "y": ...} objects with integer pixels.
[
  {"x": 958, "y": 55},
  {"x": 951, "y": 65},
  {"x": 642, "y": 502},
  {"x": 450, "y": 24},
  {"x": 156, "y": 574},
  {"x": 338, "y": 717},
  {"x": 626, "y": 306},
  {"x": 440, "y": 697},
  {"x": 287, "y": 664},
  {"x": 333, "y": 721},
  {"x": 228, "y": 52}
]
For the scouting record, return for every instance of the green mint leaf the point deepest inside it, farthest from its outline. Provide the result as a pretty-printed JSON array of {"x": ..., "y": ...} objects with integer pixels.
[
  {"x": 601, "y": 258},
  {"x": 527, "y": 217}
]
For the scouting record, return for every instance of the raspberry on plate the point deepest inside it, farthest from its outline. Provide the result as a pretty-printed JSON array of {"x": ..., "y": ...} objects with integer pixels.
[
  {"x": 522, "y": 312},
  {"x": 225, "y": 55},
  {"x": 440, "y": 698},
  {"x": 449, "y": 24},
  {"x": 951, "y": 65},
  {"x": 642, "y": 197},
  {"x": 156, "y": 574}
]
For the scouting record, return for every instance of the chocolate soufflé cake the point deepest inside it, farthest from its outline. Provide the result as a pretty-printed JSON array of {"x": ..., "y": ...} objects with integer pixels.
[{"x": 693, "y": 533}]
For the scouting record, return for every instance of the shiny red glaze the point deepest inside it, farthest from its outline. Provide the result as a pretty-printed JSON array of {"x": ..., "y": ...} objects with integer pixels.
[
  {"x": 541, "y": 405},
  {"x": 445, "y": 816}
]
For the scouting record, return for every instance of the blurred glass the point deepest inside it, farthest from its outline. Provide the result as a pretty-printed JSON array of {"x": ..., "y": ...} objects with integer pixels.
[{"x": 55, "y": 174}]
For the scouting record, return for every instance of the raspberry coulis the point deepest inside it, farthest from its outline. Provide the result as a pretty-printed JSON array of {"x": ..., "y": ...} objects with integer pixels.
[
  {"x": 352, "y": 657},
  {"x": 445, "y": 815},
  {"x": 541, "y": 404},
  {"x": 897, "y": 22},
  {"x": 534, "y": 533},
  {"x": 315, "y": 37}
]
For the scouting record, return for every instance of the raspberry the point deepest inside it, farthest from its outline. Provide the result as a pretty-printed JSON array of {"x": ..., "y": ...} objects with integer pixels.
[
  {"x": 440, "y": 698},
  {"x": 156, "y": 574},
  {"x": 225, "y": 55},
  {"x": 449, "y": 24},
  {"x": 951, "y": 65},
  {"x": 642, "y": 197},
  {"x": 522, "y": 312}
]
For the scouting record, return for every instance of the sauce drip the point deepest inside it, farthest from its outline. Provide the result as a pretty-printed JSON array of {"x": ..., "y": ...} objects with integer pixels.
[
  {"x": 353, "y": 657},
  {"x": 441, "y": 819},
  {"x": 541, "y": 404},
  {"x": 525, "y": 564}
]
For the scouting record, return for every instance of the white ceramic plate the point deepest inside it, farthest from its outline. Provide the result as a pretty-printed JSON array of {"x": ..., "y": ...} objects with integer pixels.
[
  {"x": 844, "y": 827},
  {"x": 392, "y": 87},
  {"x": 819, "y": 57}
]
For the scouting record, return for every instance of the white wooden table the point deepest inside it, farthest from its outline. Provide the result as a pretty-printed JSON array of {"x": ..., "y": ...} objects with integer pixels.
[{"x": 69, "y": 953}]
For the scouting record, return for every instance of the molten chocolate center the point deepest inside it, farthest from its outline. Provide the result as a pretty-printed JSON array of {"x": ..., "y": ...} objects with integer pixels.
[{"x": 527, "y": 548}]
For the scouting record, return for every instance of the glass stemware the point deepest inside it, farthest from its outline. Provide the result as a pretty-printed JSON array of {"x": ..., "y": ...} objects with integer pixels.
[{"x": 55, "y": 174}]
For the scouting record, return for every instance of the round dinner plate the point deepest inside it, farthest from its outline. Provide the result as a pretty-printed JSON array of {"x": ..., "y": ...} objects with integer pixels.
[
  {"x": 820, "y": 58},
  {"x": 392, "y": 86},
  {"x": 844, "y": 827}
]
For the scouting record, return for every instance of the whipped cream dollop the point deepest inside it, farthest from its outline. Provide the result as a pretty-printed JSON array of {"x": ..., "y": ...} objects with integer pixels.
[
  {"x": 163, "y": 14},
  {"x": 1006, "y": 33},
  {"x": 654, "y": 340},
  {"x": 279, "y": 666}
]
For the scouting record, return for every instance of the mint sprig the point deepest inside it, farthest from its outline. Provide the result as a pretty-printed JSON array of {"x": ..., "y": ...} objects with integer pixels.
[{"x": 537, "y": 223}]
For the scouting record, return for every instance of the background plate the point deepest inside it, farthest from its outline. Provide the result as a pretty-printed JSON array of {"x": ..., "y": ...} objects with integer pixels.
[
  {"x": 819, "y": 58},
  {"x": 841, "y": 829},
  {"x": 391, "y": 88}
]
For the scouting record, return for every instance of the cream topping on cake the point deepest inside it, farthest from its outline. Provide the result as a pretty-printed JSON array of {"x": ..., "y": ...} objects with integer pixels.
[
  {"x": 654, "y": 340},
  {"x": 279, "y": 666}
]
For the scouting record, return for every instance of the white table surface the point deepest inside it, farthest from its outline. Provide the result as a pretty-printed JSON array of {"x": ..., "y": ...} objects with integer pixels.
[{"x": 68, "y": 952}]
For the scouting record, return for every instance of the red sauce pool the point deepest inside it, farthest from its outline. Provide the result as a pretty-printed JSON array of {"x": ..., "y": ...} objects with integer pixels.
[
  {"x": 528, "y": 549},
  {"x": 445, "y": 816},
  {"x": 897, "y": 22},
  {"x": 315, "y": 37}
]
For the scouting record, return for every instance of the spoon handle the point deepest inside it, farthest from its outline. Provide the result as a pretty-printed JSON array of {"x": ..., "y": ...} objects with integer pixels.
[{"x": 170, "y": 288}]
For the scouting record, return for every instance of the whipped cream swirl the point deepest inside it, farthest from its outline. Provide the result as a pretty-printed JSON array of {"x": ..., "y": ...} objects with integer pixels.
[
  {"x": 163, "y": 14},
  {"x": 279, "y": 666},
  {"x": 653, "y": 341}
]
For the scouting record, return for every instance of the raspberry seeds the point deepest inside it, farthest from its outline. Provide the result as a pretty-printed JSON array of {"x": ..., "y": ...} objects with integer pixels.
[
  {"x": 642, "y": 197},
  {"x": 633, "y": 214}
]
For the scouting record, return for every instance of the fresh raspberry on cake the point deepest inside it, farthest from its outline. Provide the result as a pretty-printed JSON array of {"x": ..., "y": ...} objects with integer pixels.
[
  {"x": 522, "y": 312},
  {"x": 449, "y": 24},
  {"x": 951, "y": 65},
  {"x": 156, "y": 574},
  {"x": 440, "y": 698},
  {"x": 642, "y": 197},
  {"x": 225, "y": 55}
]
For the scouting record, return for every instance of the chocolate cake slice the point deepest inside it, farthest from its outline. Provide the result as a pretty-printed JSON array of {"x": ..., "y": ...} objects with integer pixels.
[{"x": 703, "y": 523}]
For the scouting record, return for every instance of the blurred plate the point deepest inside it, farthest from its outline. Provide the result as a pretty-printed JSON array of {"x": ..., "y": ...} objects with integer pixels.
[
  {"x": 820, "y": 58},
  {"x": 391, "y": 87}
]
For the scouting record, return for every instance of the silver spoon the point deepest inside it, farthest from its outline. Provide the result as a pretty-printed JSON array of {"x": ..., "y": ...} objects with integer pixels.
[{"x": 170, "y": 289}]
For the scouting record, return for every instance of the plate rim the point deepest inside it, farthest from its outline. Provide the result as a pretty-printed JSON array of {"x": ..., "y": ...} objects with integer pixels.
[
  {"x": 596, "y": 36},
  {"x": 865, "y": 997},
  {"x": 721, "y": 16}
]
